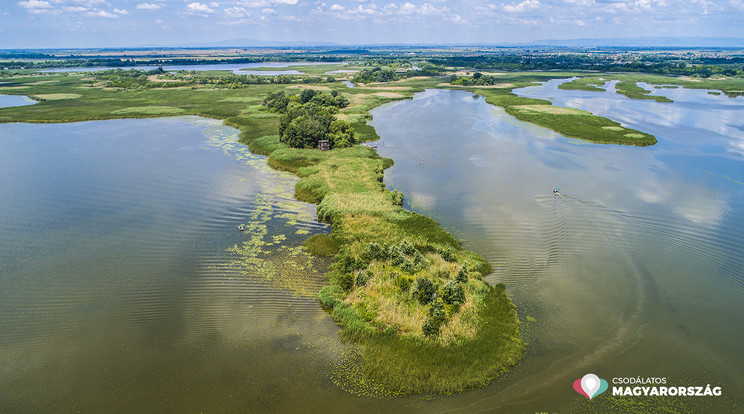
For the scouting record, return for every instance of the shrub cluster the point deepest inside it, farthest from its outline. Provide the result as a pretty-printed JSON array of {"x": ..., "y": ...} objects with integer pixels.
[
  {"x": 310, "y": 117},
  {"x": 350, "y": 271},
  {"x": 478, "y": 79}
]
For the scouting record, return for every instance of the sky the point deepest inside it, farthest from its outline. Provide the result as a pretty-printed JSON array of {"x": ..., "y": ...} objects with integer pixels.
[{"x": 133, "y": 23}]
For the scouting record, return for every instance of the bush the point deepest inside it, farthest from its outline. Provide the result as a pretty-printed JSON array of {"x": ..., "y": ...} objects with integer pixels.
[
  {"x": 396, "y": 255},
  {"x": 448, "y": 254},
  {"x": 346, "y": 281},
  {"x": 403, "y": 283},
  {"x": 437, "y": 316},
  {"x": 424, "y": 290},
  {"x": 330, "y": 296},
  {"x": 375, "y": 251},
  {"x": 453, "y": 293},
  {"x": 408, "y": 266},
  {"x": 462, "y": 274},
  {"x": 407, "y": 248},
  {"x": 397, "y": 198},
  {"x": 363, "y": 277}
]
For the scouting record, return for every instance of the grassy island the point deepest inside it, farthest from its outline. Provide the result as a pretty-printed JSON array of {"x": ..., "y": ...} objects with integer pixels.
[{"x": 570, "y": 122}]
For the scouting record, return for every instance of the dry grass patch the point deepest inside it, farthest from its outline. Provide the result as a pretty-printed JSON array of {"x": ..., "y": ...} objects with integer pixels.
[
  {"x": 56, "y": 96},
  {"x": 388, "y": 95},
  {"x": 149, "y": 110},
  {"x": 613, "y": 128},
  {"x": 386, "y": 88},
  {"x": 157, "y": 78},
  {"x": 318, "y": 87}
]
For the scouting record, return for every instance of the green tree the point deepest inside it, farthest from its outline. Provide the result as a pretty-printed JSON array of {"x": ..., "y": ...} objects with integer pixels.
[
  {"x": 424, "y": 290},
  {"x": 453, "y": 293},
  {"x": 341, "y": 134}
]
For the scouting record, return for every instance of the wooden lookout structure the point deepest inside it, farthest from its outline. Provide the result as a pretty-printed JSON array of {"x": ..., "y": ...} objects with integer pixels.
[{"x": 324, "y": 145}]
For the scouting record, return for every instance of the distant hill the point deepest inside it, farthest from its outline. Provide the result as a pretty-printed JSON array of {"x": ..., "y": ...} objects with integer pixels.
[
  {"x": 257, "y": 43},
  {"x": 722, "y": 42}
]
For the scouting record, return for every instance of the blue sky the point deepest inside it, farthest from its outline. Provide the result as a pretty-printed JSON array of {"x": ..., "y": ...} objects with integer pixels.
[{"x": 116, "y": 23}]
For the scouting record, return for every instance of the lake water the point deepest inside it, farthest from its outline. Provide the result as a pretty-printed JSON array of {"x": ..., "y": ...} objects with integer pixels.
[
  {"x": 120, "y": 288},
  {"x": 633, "y": 270},
  {"x": 6, "y": 101},
  {"x": 117, "y": 289},
  {"x": 239, "y": 68}
]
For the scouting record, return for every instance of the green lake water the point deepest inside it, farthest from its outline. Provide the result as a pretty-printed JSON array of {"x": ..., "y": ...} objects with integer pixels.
[{"x": 125, "y": 285}]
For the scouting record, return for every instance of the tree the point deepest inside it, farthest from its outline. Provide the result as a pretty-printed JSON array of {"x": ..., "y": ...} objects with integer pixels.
[
  {"x": 453, "y": 293},
  {"x": 309, "y": 118},
  {"x": 307, "y": 94},
  {"x": 424, "y": 290},
  {"x": 276, "y": 101}
]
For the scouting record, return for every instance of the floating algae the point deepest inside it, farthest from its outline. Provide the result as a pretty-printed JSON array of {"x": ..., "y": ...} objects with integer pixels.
[
  {"x": 273, "y": 251},
  {"x": 271, "y": 258},
  {"x": 347, "y": 372}
]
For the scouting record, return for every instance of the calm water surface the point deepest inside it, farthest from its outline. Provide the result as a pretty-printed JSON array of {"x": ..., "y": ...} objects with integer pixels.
[
  {"x": 635, "y": 269},
  {"x": 117, "y": 292},
  {"x": 6, "y": 101}
]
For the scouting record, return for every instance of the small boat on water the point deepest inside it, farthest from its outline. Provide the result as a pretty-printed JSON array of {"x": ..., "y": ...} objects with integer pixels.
[{"x": 241, "y": 227}]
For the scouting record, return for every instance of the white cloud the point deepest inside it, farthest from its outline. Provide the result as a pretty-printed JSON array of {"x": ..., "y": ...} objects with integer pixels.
[
  {"x": 149, "y": 6},
  {"x": 337, "y": 7},
  {"x": 121, "y": 12},
  {"x": 101, "y": 13},
  {"x": 582, "y": 3},
  {"x": 407, "y": 8},
  {"x": 199, "y": 9},
  {"x": 37, "y": 7},
  {"x": 524, "y": 6},
  {"x": 371, "y": 10},
  {"x": 268, "y": 11},
  {"x": 35, "y": 4},
  {"x": 425, "y": 9},
  {"x": 158, "y": 21},
  {"x": 291, "y": 18},
  {"x": 455, "y": 18},
  {"x": 86, "y": 3},
  {"x": 237, "y": 12},
  {"x": 268, "y": 3}
]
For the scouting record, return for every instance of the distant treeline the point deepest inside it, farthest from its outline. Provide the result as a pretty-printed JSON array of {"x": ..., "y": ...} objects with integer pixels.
[
  {"x": 138, "y": 79},
  {"x": 117, "y": 62},
  {"x": 673, "y": 65},
  {"x": 386, "y": 75}
]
